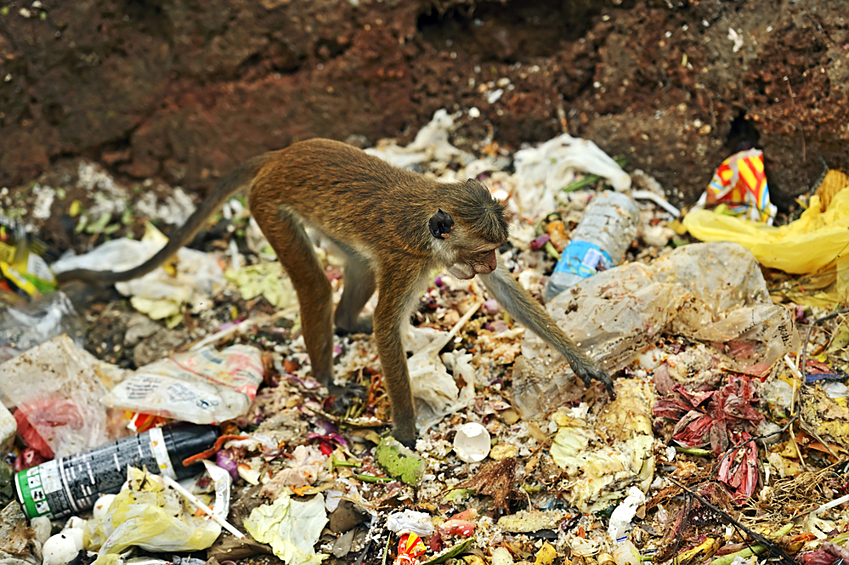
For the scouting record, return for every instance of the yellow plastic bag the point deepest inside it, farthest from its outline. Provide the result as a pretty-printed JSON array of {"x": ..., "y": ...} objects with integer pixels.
[
  {"x": 805, "y": 246},
  {"x": 150, "y": 516}
]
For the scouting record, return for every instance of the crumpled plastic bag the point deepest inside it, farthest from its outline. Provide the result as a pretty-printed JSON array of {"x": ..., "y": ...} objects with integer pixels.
[
  {"x": 61, "y": 396},
  {"x": 541, "y": 172},
  {"x": 159, "y": 294},
  {"x": 431, "y": 144},
  {"x": 290, "y": 527},
  {"x": 203, "y": 387},
  {"x": 740, "y": 185},
  {"x": 713, "y": 292},
  {"x": 435, "y": 390},
  {"x": 24, "y": 327},
  {"x": 406, "y": 521},
  {"x": 806, "y": 245},
  {"x": 154, "y": 517}
]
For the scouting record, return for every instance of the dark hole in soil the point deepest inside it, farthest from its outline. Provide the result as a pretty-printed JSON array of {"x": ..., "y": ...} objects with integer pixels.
[
  {"x": 327, "y": 49},
  {"x": 54, "y": 113},
  {"x": 149, "y": 17},
  {"x": 743, "y": 134},
  {"x": 512, "y": 32}
]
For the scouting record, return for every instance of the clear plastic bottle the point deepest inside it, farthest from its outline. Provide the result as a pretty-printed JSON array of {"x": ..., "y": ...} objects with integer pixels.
[{"x": 598, "y": 243}]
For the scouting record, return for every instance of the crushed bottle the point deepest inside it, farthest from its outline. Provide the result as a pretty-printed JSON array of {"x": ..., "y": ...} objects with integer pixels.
[{"x": 598, "y": 243}]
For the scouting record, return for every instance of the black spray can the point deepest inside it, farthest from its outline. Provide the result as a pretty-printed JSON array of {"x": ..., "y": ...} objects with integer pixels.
[{"x": 70, "y": 485}]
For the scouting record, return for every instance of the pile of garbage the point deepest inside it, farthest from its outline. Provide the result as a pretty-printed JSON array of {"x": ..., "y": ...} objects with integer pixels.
[{"x": 190, "y": 429}]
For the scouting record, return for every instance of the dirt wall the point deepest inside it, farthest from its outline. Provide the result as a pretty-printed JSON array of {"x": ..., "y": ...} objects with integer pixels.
[{"x": 184, "y": 89}]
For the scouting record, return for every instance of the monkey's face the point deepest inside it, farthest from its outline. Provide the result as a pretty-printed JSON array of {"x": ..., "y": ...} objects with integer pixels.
[
  {"x": 471, "y": 262},
  {"x": 467, "y": 246}
]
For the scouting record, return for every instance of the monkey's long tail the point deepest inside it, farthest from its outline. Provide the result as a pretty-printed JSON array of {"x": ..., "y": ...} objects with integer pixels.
[{"x": 225, "y": 189}]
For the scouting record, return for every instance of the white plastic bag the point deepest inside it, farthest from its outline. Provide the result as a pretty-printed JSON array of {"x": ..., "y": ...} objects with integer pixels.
[
  {"x": 543, "y": 171},
  {"x": 434, "y": 389},
  {"x": 202, "y": 387},
  {"x": 56, "y": 387},
  {"x": 158, "y": 294}
]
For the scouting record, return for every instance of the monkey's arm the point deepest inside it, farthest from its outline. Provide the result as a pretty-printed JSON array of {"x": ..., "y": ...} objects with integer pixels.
[
  {"x": 521, "y": 305},
  {"x": 396, "y": 292},
  {"x": 228, "y": 186}
]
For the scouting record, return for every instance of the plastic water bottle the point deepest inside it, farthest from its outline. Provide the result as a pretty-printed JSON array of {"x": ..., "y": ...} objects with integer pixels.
[
  {"x": 72, "y": 484},
  {"x": 598, "y": 243}
]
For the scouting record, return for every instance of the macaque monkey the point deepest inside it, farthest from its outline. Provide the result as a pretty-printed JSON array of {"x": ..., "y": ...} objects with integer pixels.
[{"x": 393, "y": 227}]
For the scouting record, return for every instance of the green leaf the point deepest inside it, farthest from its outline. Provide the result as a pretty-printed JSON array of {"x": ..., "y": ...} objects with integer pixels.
[
  {"x": 453, "y": 552},
  {"x": 99, "y": 224}
]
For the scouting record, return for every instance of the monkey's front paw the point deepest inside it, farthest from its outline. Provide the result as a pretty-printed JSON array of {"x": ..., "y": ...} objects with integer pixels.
[
  {"x": 406, "y": 434},
  {"x": 363, "y": 325},
  {"x": 589, "y": 373}
]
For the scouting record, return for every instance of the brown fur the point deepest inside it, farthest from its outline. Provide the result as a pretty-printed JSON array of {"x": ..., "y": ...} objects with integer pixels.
[{"x": 378, "y": 217}]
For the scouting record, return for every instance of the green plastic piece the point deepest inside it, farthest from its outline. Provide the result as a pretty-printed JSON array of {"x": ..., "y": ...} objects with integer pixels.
[
  {"x": 453, "y": 552},
  {"x": 458, "y": 494},
  {"x": 399, "y": 461}
]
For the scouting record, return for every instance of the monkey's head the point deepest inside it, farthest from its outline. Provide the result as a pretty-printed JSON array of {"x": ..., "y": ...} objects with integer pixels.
[{"x": 468, "y": 229}]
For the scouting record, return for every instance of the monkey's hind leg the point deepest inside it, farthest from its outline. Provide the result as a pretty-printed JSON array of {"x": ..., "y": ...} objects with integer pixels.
[
  {"x": 358, "y": 285},
  {"x": 285, "y": 232}
]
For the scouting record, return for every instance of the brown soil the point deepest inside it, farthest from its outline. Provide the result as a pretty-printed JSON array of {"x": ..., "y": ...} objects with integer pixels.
[{"x": 183, "y": 90}]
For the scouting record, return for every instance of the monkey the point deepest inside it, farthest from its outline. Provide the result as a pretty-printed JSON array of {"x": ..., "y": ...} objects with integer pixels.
[{"x": 393, "y": 227}]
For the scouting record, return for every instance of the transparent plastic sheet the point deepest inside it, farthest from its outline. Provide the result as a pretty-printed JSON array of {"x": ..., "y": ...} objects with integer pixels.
[
  {"x": 61, "y": 396},
  {"x": 24, "y": 327},
  {"x": 711, "y": 292}
]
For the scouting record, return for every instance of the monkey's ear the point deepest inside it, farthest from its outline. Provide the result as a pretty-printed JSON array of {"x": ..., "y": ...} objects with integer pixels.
[{"x": 440, "y": 224}]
